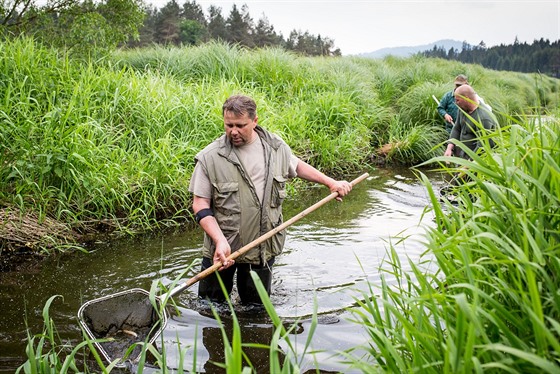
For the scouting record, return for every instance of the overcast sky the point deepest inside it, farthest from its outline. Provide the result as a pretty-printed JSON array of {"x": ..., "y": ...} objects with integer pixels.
[{"x": 360, "y": 26}]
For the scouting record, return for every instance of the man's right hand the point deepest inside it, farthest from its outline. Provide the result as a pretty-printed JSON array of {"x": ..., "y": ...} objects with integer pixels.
[
  {"x": 223, "y": 250},
  {"x": 448, "y": 118},
  {"x": 210, "y": 226},
  {"x": 449, "y": 150}
]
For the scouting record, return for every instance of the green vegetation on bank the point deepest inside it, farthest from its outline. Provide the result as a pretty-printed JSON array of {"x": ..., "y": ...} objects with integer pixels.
[{"x": 109, "y": 145}]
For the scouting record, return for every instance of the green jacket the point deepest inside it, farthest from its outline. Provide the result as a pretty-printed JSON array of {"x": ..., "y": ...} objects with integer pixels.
[
  {"x": 470, "y": 127},
  {"x": 447, "y": 106},
  {"x": 237, "y": 209}
]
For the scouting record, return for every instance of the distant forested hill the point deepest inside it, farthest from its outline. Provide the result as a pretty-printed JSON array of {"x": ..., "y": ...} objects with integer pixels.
[
  {"x": 542, "y": 56},
  {"x": 407, "y": 51}
]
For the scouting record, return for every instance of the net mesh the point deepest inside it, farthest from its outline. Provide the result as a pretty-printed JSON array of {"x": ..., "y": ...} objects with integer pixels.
[{"x": 124, "y": 319}]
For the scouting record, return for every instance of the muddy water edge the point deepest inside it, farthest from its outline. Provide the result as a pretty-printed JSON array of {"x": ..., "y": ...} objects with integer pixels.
[{"x": 329, "y": 257}]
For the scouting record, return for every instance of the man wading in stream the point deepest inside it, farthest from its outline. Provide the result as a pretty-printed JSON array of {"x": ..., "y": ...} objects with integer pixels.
[
  {"x": 473, "y": 121},
  {"x": 239, "y": 183}
]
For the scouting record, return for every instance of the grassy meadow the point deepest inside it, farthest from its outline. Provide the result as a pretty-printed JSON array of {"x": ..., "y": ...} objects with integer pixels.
[{"x": 109, "y": 146}]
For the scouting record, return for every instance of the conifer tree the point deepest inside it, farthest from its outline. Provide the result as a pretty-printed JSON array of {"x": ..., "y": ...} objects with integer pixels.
[
  {"x": 168, "y": 24},
  {"x": 216, "y": 24}
]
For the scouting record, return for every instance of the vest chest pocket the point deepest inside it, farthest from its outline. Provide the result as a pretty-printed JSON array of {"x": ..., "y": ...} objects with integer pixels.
[
  {"x": 278, "y": 191},
  {"x": 226, "y": 198}
]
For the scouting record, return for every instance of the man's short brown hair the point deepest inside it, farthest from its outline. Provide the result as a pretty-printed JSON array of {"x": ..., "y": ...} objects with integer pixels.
[{"x": 240, "y": 105}]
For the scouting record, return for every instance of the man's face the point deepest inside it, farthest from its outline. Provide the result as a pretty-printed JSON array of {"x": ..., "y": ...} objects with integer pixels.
[
  {"x": 239, "y": 129},
  {"x": 462, "y": 102}
]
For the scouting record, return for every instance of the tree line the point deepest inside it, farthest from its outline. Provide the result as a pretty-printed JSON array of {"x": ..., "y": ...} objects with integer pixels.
[
  {"x": 90, "y": 26},
  {"x": 188, "y": 24},
  {"x": 86, "y": 26},
  {"x": 541, "y": 56},
  {"x": 81, "y": 27}
]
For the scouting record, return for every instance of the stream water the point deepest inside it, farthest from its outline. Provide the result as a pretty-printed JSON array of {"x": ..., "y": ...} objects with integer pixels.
[{"x": 330, "y": 256}]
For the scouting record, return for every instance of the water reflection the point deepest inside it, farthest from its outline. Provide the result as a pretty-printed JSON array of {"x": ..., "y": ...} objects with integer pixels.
[{"x": 329, "y": 256}]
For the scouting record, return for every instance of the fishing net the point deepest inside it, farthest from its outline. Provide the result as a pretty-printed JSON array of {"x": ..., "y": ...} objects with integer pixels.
[{"x": 122, "y": 319}]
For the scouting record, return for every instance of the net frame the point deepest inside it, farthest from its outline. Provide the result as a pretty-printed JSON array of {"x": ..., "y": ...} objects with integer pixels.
[{"x": 116, "y": 322}]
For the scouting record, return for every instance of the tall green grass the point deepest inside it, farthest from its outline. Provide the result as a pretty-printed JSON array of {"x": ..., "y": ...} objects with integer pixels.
[
  {"x": 493, "y": 304},
  {"x": 413, "y": 142},
  {"x": 46, "y": 353},
  {"x": 94, "y": 147},
  {"x": 108, "y": 145}
]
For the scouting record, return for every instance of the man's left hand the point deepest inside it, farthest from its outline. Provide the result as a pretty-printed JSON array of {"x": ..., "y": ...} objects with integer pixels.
[{"x": 342, "y": 187}]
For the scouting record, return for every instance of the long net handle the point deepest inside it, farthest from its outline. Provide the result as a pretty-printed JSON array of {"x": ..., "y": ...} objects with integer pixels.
[{"x": 203, "y": 274}]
